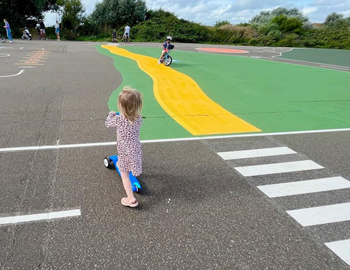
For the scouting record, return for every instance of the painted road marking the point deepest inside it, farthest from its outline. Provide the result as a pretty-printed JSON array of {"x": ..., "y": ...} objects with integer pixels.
[
  {"x": 34, "y": 58},
  {"x": 30, "y": 64},
  {"x": 82, "y": 145},
  {"x": 341, "y": 68},
  {"x": 36, "y": 217},
  {"x": 341, "y": 248},
  {"x": 304, "y": 187},
  {"x": 263, "y": 152},
  {"x": 183, "y": 100},
  {"x": 221, "y": 50},
  {"x": 53, "y": 147},
  {"x": 321, "y": 214},
  {"x": 262, "y": 57},
  {"x": 19, "y": 73},
  {"x": 307, "y": 216},
  {"x": 283, "y": 167}
]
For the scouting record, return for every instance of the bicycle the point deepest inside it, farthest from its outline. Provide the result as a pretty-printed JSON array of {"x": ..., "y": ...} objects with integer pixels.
[
  {"x": 126, "y": 38},
  {"x": 167, "y": 59}
]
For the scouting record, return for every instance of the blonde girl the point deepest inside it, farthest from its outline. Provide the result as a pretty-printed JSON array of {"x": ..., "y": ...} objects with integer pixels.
[
  {"x": 8, "y": 30},
  {"x": 128, "y": 124}
]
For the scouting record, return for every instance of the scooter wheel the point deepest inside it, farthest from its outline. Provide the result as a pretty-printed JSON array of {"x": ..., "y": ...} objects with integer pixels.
[
  {"x": 136, "y": 189},
  {"x": 106, "y": 162}
]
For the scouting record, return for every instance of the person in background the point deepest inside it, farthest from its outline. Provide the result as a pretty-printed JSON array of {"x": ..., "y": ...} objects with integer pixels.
[
  {"x": 127, "y": 34},
  {"x": 42, "y": 30},
  {"x": 114, "y": 36},
  {"x": 37, "y": 27},
  {"x": 8, "y": 30},
  {"x": 57, "y": 31}
]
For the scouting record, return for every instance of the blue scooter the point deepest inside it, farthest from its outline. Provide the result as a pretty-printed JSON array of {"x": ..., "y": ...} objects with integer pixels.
[{"x": 136, "y": 187}]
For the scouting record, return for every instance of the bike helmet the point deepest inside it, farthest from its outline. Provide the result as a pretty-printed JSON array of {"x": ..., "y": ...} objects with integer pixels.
[{"x": 169, "y": 38}]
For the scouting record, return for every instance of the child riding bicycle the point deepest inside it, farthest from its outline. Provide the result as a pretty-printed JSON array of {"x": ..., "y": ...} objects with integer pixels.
[{"x": 166, "y": 48}]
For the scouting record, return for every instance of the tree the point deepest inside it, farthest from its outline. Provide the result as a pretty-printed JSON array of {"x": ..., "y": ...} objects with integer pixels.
[
  {"x": 221, "y": 23},
  {"x": 19, "y": 12},
  {"x": 286, "y": 24},
  {"x": 116, "y": 13},
  {"x": 338, "y": 21},
  {"x": 72, "y": 14},
  {"x": 267, "y": 16},
  {"x": 333, "y": 18}
]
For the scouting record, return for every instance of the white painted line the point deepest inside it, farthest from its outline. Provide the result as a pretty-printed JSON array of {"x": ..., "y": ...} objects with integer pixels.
[
  {"x": 305, "y": 187},
  {"x": 19, "y": 73},
  {"x": 321, "y": 214},
  {"x": 301, "y": 61},
  {"x": 329, "y": 65},
  {"x": 82, "y": 145},
  {"x": 36, "y": 217},
  {"x": 261, "y": 57},
  {"x": 26, "y": 66},
  {"x": 283, "y": 167},
  {"x": 4, "y": 55},
  {"x": 53, "y": 147},
  {"x": 341, "y": 68},
  {"x": 263, "y": 152},
  {"x": 341, "y": 248}
]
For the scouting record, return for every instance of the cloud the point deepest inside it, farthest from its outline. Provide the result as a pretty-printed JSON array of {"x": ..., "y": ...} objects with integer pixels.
[{"x": 309, "y": 10}]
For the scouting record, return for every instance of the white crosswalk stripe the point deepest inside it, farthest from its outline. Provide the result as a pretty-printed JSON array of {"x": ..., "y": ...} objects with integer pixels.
[
  {"x": 304, "y": 187},
  {"x": 341, "y": 248},
  {"x": 263, "y": 152},
  {"x": 322, "y": 214},
  {"x": 283, "y": 167},
  {"x": 312, "y": 216}
]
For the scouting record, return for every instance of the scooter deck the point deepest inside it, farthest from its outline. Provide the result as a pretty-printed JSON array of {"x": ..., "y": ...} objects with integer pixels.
[{"x": 134, "y": 182}]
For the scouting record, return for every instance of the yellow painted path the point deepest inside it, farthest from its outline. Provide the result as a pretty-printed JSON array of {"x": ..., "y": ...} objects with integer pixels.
[{"x": 184, "y": 100}]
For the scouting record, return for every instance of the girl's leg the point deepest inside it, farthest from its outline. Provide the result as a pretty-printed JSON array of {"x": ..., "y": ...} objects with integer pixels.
[
  {"x": 128, "y": 188},
  {"x": 9, "y": 35}
]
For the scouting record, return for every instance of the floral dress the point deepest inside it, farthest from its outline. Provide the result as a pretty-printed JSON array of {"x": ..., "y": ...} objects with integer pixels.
[{"x": 128, "y": 142}]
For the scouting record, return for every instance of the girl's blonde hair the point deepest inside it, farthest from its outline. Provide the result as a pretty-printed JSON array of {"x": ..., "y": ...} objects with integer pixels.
[{"x": 130, "y": 103}]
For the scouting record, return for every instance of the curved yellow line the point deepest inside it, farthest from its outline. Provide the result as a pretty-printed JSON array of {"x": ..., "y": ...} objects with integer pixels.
[{"x": 181, "y": 97}]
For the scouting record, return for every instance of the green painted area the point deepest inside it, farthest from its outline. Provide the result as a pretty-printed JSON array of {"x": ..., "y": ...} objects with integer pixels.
[
  {"x": 274, "y": 97},
  {"x": 324, "y": 56},
  {"x": 157, "y": 124}
]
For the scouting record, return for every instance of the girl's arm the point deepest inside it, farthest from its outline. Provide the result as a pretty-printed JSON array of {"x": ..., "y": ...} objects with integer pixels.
[{"x": 111, "y": 120}]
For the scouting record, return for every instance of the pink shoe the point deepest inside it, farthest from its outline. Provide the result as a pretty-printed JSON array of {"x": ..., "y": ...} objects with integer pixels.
[{"x": 133, "y": 204}]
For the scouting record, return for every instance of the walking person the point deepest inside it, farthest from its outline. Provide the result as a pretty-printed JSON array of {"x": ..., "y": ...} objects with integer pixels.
[
  {"x": 42, "y": 30},
  {"x": 114, "y": 36},
  {"x": 57, "y": 31},
  {"x": 127, "y": 34},
  {"x": 8, "y": 30},
  {"x": 37, "y": 27},
  {"x": 128, "y": 124}
]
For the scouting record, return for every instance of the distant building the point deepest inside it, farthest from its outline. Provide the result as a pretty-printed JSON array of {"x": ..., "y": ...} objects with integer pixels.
[{"x": 317, "y": 25}]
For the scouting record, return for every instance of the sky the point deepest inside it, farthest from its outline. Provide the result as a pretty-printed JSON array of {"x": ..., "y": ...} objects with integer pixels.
[{"x": 208, "y": 12}]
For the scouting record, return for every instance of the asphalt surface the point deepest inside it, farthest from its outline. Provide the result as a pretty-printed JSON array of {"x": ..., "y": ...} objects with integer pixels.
[{"x": 196, "y": 210}]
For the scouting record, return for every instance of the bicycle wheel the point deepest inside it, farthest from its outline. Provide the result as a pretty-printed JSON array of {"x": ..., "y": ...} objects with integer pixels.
[{"x": 168, "y": 60}]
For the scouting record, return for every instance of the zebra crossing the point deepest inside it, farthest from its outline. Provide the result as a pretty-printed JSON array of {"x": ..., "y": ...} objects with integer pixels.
[{"x": 306, "y": 217}]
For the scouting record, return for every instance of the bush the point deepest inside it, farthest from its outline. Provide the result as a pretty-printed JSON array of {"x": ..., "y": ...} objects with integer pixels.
[
  {"x": 290, "y": 40},
  {"x": 161, "y": 24},
  {"x": 230, "y": 34}
]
